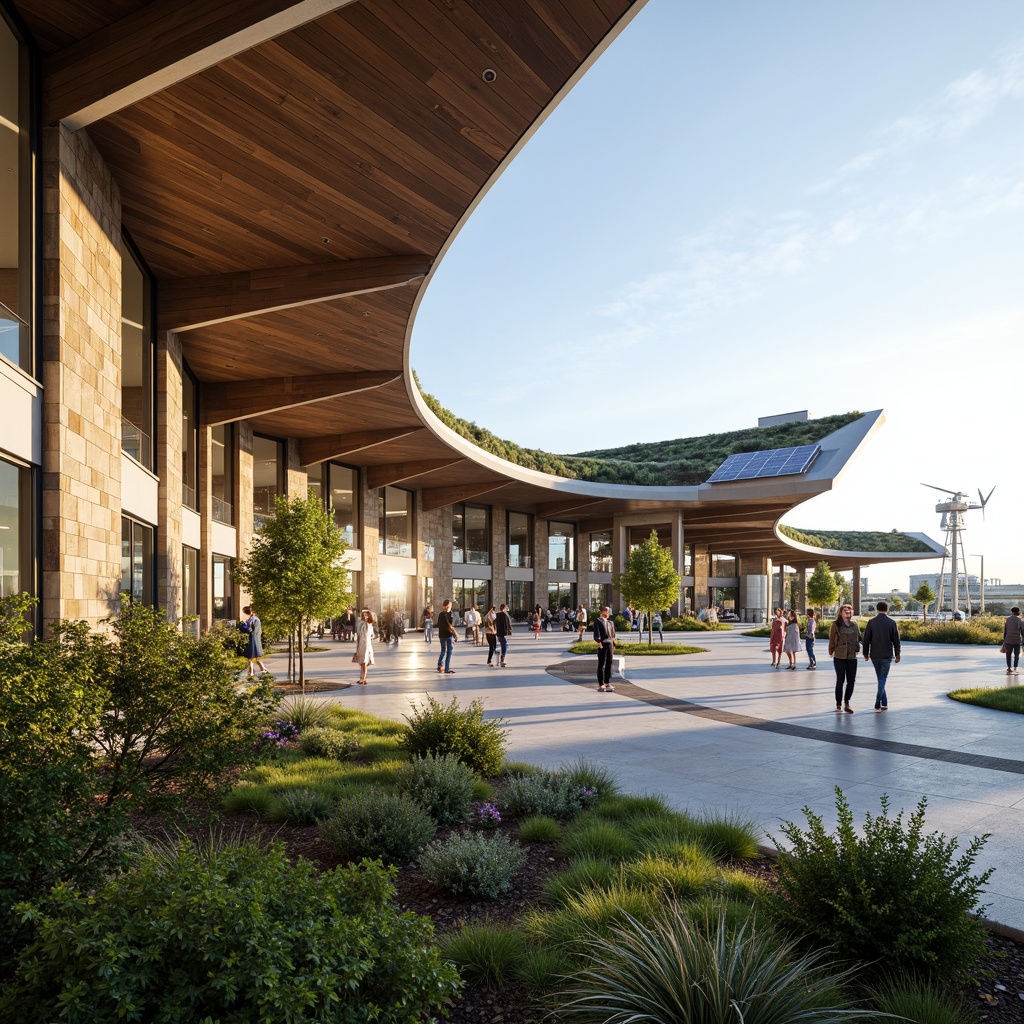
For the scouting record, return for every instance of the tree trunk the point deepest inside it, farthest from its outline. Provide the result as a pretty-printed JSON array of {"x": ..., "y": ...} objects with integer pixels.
[
  {"x": 302, "y": 664},
  {"x": 291, "y": 655}
]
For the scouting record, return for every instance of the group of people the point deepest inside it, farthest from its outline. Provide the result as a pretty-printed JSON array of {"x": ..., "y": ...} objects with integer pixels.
[
  {"x": 881, "y": 646},
  {"x": 496, "y": 626}
]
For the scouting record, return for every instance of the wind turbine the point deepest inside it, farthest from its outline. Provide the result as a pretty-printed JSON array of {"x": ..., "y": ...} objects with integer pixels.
[{"x": 953, "y": 512}]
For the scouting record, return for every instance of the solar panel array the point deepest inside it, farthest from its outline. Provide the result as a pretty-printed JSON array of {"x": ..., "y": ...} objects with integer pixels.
[{"x": 757, "y": 465}]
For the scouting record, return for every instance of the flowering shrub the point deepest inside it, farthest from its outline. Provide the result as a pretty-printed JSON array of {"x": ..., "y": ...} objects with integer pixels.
[
  {"x": 280, "y": 734},
  {"x": 588, "y": 796},
  {"x": 488, "y": 815},
  {"x": 441, "y": 784},
  {"x": 555, "y": 794}
]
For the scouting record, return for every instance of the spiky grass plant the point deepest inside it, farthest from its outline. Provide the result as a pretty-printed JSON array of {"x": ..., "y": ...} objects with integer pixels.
[
  {"x": 729, "y": 836},
  {"x": 485, "y": 954},
  {"x": 922, "y": 1002},
  {"x": 626, "y": 808},
  {"x": 303, "y": 713},
  {"x": 586, "y": 775},
  {"x": 668, "y": 970},
  {"x": 582, "y": 874},
  {"x": 684, "y": 880},
  {"x": 590, "y": 837},
  {"x": 654, "y": 830},
  {"x": 587, "y": 913},
  {"x": 539, "y": 829},
  {"x": 302, "y": 806},
  {"x": 542, "y": 970}
]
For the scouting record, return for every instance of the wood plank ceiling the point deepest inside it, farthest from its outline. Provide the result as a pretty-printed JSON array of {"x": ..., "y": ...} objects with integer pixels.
[{"x": 364, "y": 134}]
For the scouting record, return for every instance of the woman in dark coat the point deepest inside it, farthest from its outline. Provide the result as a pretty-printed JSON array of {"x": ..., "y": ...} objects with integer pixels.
[{"x": 253, "y": 629}]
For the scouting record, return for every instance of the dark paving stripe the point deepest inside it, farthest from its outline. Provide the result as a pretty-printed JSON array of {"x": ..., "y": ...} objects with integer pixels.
[{"x": 686, "y": 707}]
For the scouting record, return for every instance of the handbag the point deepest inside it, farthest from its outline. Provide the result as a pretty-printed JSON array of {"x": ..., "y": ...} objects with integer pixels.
[{"x": 1002, "y": 650}]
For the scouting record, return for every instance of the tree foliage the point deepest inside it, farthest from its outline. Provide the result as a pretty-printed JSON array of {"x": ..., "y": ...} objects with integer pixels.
[
  {"x": 295, "y": 568},
  {"x": 822, "y": 589},
  {"x": 650, "y": 581},
  {"x": 925, "y": 595}
]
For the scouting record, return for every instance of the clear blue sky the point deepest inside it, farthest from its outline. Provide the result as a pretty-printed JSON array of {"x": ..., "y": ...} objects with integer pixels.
[{"x": 745, "y": 209}]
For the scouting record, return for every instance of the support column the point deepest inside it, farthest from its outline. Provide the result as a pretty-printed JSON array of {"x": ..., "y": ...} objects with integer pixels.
[
  {"x": 801, "y": 590},
  {"x": 701, "y": 569},
  {"x": 540, "y": 562},
  {"x": 499, "y": 554},
  {"x": 170, "y": 378},
  {"x": 856, "y": 590},
  {"x": 677, "y": 546},
  {"x": 244, "y": 469}
]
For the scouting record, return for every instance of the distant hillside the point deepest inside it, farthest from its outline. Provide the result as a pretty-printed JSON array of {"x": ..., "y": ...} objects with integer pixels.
[
  {"x": 685, "y": 461},
  {"x": 855, "y": 541}
]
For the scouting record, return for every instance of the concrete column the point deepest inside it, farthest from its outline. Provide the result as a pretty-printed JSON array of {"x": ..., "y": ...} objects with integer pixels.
[
  {"x": 701, "y": 570},
  {"x": 582, "y": 567},
  {"x": 677, "y": 545},
  {"x": 620, "y": 552},
  {"x": 205, "y": 582},
  {"x": 369, "y": 517},
  {"x": 499, "y": 553},
  {"x": 81, "y": 374},
  {"x": 856, "y": 590},
  {"x": 801, "y": 590},
  {"x": 296, "y": 480},
  {"x": 244, "y": 469},
  {"x": 540, "y": 562},
  {"x": 432, "y": 528}
]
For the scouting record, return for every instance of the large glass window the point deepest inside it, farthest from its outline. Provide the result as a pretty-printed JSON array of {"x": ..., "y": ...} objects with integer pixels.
[
  {"x": 601, "y": 551},
  {"x": 189, "y": 441},
  {"x": 15, "y": 550},
  {"x": 223, "y": 601},
  {"x": 600, "y": 594},
  {"x": 724, "y": 566},
  {"x": 561, "y": 595},
  {"x": 267, "y": 477},
  {"x": 395, "y": 522},
  {"x": 189, "y": 581},
  {"x": 136, "y": 360},
  {"x": 136, "y": 561},
  {"x": 520, "y": 540},
  {"x": 396, "y": 595},
  {"x": 471, "y": 534},
  {"x": 471, "y": 594},
  {"x": 561, "y": 545},
  {"x": 222, "y": 473},
  {"x": 519, "y": 598},
  {"x": 687, "y": 560},
  {"x": 340, "y": 484},
  {"x": 16, "y": 248},
  {"x": 724, "y": 599}
]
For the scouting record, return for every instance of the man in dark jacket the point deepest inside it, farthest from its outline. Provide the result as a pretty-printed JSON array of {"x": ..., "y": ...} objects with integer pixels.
[
  {"x": 446, "y": 634},
  {"x": 503, "y": 627},
  {"x": 881, "y": 648}
]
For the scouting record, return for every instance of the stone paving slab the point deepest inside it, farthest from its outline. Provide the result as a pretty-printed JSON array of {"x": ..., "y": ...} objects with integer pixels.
[{"x": 725, "y": 730}]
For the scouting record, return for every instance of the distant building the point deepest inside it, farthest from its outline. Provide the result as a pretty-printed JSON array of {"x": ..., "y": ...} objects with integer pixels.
[{"x": 783, "y": 417}]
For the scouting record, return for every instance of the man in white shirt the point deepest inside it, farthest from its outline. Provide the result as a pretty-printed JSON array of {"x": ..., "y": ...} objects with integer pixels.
[{"x": 472, "y": 620}]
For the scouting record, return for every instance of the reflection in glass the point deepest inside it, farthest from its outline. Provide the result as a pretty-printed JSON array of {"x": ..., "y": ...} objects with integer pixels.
[
  {"x": 561, "y": 545},
  {"x": 520, "y": 540},
  {"x": 267, "y": 476},
  {"x": 395, "y": 522},
  {"x": 10, "y": 529},
  {"x": 601, "y": 551},
  {"x": 222, "y": 481}
]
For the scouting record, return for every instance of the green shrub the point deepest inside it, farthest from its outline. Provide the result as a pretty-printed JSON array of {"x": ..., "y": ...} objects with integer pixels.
[
  {"x": 323, "y": 741},
  {"x": 442, "y": 785},
  {"x": 304, "y": 713},
  {"x": 482, "y": 789},
  {"x": 1001, "y": 698},
  {"x": 591, "y": 776},
  {"x": 976, "y": 631},
  {"x": 436, "y": 728},
  {"x": 486, "y": 954},
  {"x": 475, "y": 864},
  {"x": 302, "y": 806},
  {"x": 689, "y": 624},
  {"x": 249, "y": 797},
  {"x": 92, "y": 725},
  {"x": 896, "y": 895},
  {"x": 235, "y": 935},
  {"x": 520, "y": 768},
  {"x": 624, "y": 808},
  {"x": 376, "y": 824},
  {"x": 539, "y": 829},
  {"x": 656, "y": 830},
  {"x": 555, "y": 794},
  {"x": 668, "y": 970},
  {"x": 684, "y": 880},
  {"x": 586, "y": 913},
  {"x": 594, "y": 838},
  {"x": 728, "y": 836},
  {"x": 582, "y": 874},
  {"x": 922, "y": 1002}
]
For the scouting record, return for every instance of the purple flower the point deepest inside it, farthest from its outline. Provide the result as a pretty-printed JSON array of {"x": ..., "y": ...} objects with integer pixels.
[{"x": 488, "y": 815}]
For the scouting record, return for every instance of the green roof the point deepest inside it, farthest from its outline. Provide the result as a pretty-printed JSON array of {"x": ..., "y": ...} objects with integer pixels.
[
  {"x": 682, "y": 462},
  {"x": 860, "y": 540}
]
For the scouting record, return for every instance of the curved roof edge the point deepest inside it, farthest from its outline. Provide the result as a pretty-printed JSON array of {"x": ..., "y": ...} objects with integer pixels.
[{"x": 936, "y": 550}]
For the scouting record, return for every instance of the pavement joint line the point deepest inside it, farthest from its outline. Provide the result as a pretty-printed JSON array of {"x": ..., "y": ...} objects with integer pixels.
[{"x": 686, "y": 707}]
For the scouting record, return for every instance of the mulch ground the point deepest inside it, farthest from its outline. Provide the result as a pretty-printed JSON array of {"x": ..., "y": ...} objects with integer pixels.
[{"x": 997, "y": 995}]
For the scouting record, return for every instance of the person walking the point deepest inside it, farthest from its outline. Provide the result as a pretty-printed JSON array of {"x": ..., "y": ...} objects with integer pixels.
[
  {"x": 490, "y": 635},
  {"x": 775, "y": 641},
  {"x": 812, "y": 628},
  {"x": 656, "y": 625},
  {"x": 253, "y": 629},
  {"x": 503, "y": 628},
  {"x": 446, "y": 635},
  {"x": 843, "y": 644},
  {"x": 604, "y": 637},
  {"x": 581, "y": 622},
  {"x": 791, "y": 644},
  {"x": 472, "y": 620},
  {"x": 535, "y": 623},
  {"x": 363, "y": 655},
  {"x": 428, "y": 625},
  {"x": 1013, "y": 634},
  {"x": 398, "y": 626},
  {"x": 881, "y": 648}
]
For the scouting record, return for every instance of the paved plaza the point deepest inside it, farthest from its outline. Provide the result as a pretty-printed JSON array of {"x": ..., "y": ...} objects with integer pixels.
[{"x": 723, "y": 730}]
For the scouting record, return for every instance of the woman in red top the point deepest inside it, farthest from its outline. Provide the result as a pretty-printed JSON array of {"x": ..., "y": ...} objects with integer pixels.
[{"x": 776, "y": 640}]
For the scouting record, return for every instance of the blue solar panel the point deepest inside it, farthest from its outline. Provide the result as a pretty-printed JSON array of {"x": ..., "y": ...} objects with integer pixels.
[{"x": 775, "y": 462}]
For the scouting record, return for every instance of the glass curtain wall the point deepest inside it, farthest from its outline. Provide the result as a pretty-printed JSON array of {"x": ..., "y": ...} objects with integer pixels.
[
  {"x": 267, "y": 477},
  {"x": 137, "y": 381},
  {"x": 520, "y": 540},
  {"x": 561, "y": 595},
  {"x": 222, "y": 478},
  {"x": 16, "y": 202},
  {"x": 395, "y": 524},
  {"x": 15, "y": 534},
  {"x": 724, "y": 599},
  {"x": 223, "y": 589},
  {"x": 724, "y": 566},
  {"x": 471, "y": 594},
  {"x": 601, "y": 551},
  {"x": 561, "y": 545},
  {"x": 189, "y": 582},
  {"x": 471, "y": 534},
  {"x": 189, "y": 441},
  {"x": 687, "y": 560},
  {"x": 599, "y": 595},
  {"x": 342, "y": 488},
  {"x": 519, "y": 598},
  {"x": 137, "y": 561}
]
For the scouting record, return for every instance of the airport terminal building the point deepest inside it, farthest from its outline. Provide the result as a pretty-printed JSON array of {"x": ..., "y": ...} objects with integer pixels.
[{"x": 218, "y": 221}]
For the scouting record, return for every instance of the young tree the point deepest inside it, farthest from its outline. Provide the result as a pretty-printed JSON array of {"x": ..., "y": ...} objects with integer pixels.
[
  {"x": 295, "y": 569},
  {"x": 650, "y": 582},
  {"x": 896, "y": 603},
  {"x": 845, "y": 589},
  {"x": 925, "y": 595},
  {"x": 822, "y": 589}
]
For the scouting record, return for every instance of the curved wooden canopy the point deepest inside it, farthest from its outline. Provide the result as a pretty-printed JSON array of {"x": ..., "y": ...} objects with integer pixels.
[{"x": 291, "y": 172}]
